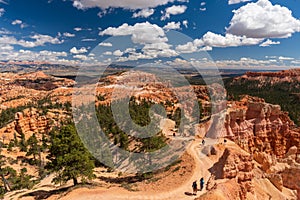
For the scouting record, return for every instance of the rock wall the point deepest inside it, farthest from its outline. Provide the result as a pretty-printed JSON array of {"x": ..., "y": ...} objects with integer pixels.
[
  {"x": 290, "y": 178},
  {"x": 269, "y": 135},
  {"x": 234, "y": 166},
  {"x": 257, "y": 126},
  {"x": 31, "y": 121},
  {"x": 239, "y": 166},
  {"x": 288, "y": 76}
]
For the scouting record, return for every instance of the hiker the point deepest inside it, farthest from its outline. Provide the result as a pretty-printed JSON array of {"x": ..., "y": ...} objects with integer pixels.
[
  {"x": 201, "y": 183},
  {"x": 203, "y": 142},
  {"x": 194, "y": 186}
]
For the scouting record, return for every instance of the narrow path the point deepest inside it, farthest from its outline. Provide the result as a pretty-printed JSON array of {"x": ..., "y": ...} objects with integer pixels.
[{"x": 203, "y": 163}]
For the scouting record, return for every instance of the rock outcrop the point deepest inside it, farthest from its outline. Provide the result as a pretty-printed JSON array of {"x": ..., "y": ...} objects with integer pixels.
[
  {"x": 31, "y": 121},
  {"x": 235, "y": 166},
  {"x": 290, "y": 178},
  {"x": 272, "y": 78},
  {"x": 258, "y": 126},
  {"x": 41, "y": 81},
  {"x": 269, "y": 135}
]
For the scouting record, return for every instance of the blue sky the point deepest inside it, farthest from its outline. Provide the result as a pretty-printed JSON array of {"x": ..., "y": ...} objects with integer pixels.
[{"x": 234, "y": 33}]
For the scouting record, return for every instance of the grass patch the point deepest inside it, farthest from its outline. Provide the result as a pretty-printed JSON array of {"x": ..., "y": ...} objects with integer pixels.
[
  {"x": 129, "y": 187},
  {"x": 176, "y": 169}
]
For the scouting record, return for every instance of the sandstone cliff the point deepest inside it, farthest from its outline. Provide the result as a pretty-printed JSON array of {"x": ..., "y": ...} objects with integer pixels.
[
  {"x": 268, "y": 134},
  {"x": 234, "y": 168},
  {"x": 31, "y": 121},
  {"x": 262, "y": 78},
  {"x": 258, "y": 126}
]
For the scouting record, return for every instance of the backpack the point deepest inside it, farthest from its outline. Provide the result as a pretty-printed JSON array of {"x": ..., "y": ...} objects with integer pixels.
[
  {"x": 194, "y": 184},
  {"x": 202, "y": 181}
]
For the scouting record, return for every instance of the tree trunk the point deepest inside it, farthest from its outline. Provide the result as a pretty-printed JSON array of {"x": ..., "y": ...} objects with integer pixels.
[
  {"x": 75, "y": 181},
  {"x": 40, "y": 158},
  {"x": 6, "y": 184}
]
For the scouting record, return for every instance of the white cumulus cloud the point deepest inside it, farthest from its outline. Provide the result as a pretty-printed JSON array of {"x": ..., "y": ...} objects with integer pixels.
[
  {"x": 74, "y": 50},
  {"x": 69, "y": 34},
  {"x": 19, "y": 22},
  {"x": 263, "y": 20},
  {"x": 118, "y": 53},
  {"x": 140, "y": 32},
  {"x": 185, "y": 23},
  {"x": 150, "y": 36},
  {"x": 81, "y": 57},
  {"x": 2, "y": 11},
  {"x": 172, "y": 25},
  {"x": 106, "y": 44},
  {"x": 285, "y": 58},
  {"x": 144, "y": 13},
  {"x": 107, "y": 53},
  {"x": 88, "y": 40},
  {"x": 127, "y": 4},
  {"x": 39, "y": 40},
  {"x": 269, "y": 42},
  {"x": 173, "y": 10},
  {"x": 6, "y": 47},
  {"x": 77, "y": 29},
  {"x": 210, "y": 40},
  {"x": 8, "y": 53},
  {"x": 229, "y": 40},
  {"x": 189, "y": 47},
  {"x": 237, "y": 1}
]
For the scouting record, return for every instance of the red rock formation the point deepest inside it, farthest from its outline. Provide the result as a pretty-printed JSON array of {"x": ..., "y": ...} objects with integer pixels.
[
  {"x": 258, "y": 126},
  {"x": 270, "y": 77},
  {"x": 268, "y": 134},
  {"x": 290, "y": 178},
  {"x": 281, "y": 74},
  {"x": 41, "y": 81},
  {"x": 235, "y": 165},
  {"x": 223, "y": 191},
  {"x": 30, "y": 121}
]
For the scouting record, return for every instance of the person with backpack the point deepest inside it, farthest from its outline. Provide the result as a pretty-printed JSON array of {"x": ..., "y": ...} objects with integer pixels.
[
  {"x": 194, "y": 186},
  {"x": 201, "y": 183}
]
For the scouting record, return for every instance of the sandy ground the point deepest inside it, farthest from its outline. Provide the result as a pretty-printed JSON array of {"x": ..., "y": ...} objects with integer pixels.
[
  {"x": 168, "y": 185},
  {"x": 182, "y": 191}
]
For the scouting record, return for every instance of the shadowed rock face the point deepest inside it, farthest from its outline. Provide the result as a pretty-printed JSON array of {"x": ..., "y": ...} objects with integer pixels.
[
  {"x": 290, "y": 178},
  {"x": 41, "y": 81}
]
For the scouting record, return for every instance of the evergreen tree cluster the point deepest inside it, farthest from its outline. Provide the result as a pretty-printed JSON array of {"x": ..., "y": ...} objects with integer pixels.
[
  {"x": 285, "y": 94},
  {"x": 139, "y": 113}
]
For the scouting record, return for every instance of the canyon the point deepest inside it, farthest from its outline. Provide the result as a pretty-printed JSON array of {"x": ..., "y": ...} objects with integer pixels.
[{"x": 257, "y": 153}]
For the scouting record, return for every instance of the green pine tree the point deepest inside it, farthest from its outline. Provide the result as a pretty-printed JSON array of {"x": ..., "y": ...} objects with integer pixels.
[
  {"x": 68, "y": 156},
  {"x": 23, "y": 144},
  {"x": 34, "y": 148},
  {"x": 6, "y": 186}
]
